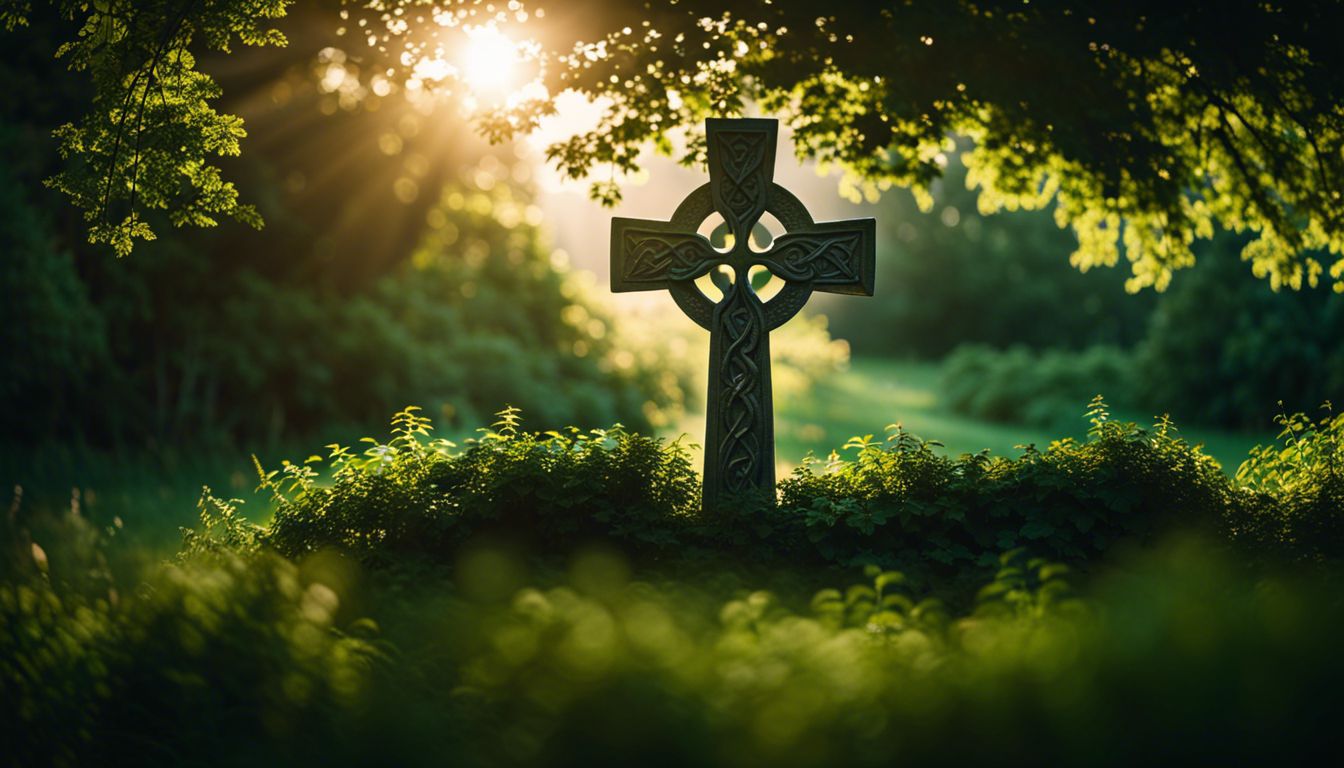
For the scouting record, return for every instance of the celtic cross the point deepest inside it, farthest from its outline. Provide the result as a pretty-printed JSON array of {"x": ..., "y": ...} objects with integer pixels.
[{"x": 836, "y": 257}]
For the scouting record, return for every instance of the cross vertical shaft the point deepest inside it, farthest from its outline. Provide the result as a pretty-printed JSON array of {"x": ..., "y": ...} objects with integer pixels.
[
  {"x": 837, "y": 257},
  {"x": 739, "y": 419}
]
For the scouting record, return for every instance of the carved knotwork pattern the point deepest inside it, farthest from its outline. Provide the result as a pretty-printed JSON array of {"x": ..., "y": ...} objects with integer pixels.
[
  {"x": 741, "y": 411},
  {"x": 656, "y": 256},
  {"x": 745, "y": 178},
  {"x": 834, "y": 257},
  {"x": 818, "y": 259}
]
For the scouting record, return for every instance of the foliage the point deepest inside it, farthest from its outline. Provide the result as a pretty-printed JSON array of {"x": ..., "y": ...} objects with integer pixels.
[
  {"x": 475, "y": 313},
  {"x": 952, "y": 275},
  {"x": 51, "y": 333},
  {"x": 897, "y": 501},
  {"x": 1023, "y": 386},
  {"x": 100, "y": 669},
  {"x": 150, "y": 138},
  {"x": 1178, "y": 135},
  {"x": 1226, "y": 347},
  {"x": 227, "y": 658},
  {"x": 504, "y": 660},
  {"x": 1218, "y": 347},
  {"x": 1305, "y": 475},
  {"x": 349, "y": 305},
  {"x": 553, "y": 490},
  {"x": 14, "y": 14}
]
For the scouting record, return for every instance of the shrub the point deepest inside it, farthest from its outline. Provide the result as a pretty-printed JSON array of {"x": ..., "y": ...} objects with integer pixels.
[
  {"x": 554, "y": 490},
  {"x": 1037, "y": 387},
  {"x": 950, "y": 275},
  {"x": 896, "y": 502},
  {"x": 1293, "y": 505},
  {"x": 236, "y": 653},
  {"x": 899, "y": 501},
  {"x": 1221, "y": 345},
  {"x": 253, "y": 349},
  {"x": 873, "y": 676}
]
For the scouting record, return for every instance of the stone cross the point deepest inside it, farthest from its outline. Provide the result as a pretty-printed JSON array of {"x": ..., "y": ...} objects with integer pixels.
[{"x": 836, "y": 257}]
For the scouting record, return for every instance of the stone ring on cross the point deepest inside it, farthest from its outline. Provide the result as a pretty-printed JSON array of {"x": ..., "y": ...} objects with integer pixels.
[{"x": 834, "y": 257}]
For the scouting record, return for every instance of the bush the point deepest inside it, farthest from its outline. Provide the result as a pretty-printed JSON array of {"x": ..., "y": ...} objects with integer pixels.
[
  {"x": 1295, "y": 492},
  {"x": 244, "y": 350},
  {"x": 898, "y": 503},
  {"x": 1214, "y": 349},
  {"x": 552, "y": 490},
  {"x": 1037, "y": 387},
  {"x": 225, "y": 653},
  {"x": 261, "y": 644},
  {"x": 352, "y": 301},
  {"x": 948, "y": 275}
]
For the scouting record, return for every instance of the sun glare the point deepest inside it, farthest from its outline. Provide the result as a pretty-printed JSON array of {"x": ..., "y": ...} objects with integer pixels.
[{"x": 489, "y": 63}]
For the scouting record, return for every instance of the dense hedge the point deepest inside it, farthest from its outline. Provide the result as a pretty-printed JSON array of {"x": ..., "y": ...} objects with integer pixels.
[
  {"x": 897, "y": 503},
  {"x": 900, "y": 501}
]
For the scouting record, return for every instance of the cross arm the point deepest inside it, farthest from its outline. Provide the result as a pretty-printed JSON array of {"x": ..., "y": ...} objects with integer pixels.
[
  {"x": 833, "y": 256},
  {"x": 648, "y": 255}
]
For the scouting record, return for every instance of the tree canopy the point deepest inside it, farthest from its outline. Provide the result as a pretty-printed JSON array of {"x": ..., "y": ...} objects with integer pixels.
[{"x": 1146, "y": 125}]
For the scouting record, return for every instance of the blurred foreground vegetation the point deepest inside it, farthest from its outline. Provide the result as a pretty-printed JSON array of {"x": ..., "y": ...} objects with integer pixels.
[{"x": 556, "y": 599}]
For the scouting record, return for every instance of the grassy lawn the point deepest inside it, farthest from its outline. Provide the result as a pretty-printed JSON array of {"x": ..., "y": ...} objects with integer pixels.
[{"x": 876, "y": 392}]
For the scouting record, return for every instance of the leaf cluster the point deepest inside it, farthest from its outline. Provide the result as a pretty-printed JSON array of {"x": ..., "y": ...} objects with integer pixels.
[
  {"x": 1142, "y": 124},
  {"x": 1304, "y": 474},
  {"x": 426, "y": 497},
  {"x": 150, "y": 139},
  {"x": 897, "y": 500}
]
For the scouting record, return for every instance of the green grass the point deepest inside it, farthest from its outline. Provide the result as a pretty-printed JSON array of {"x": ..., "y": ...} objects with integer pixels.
[
  {"x": 875, "y": 392},
  {"x": 147, "y": 499}
]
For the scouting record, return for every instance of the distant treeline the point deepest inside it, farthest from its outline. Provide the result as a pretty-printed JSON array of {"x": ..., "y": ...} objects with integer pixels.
[
  {"x": 1218, "y": 347},
  {"x": 399, "y": 262}
]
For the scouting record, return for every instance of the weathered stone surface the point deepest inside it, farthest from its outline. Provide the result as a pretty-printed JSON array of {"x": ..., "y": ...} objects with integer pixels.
[{"x": 835, "y": 257}]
